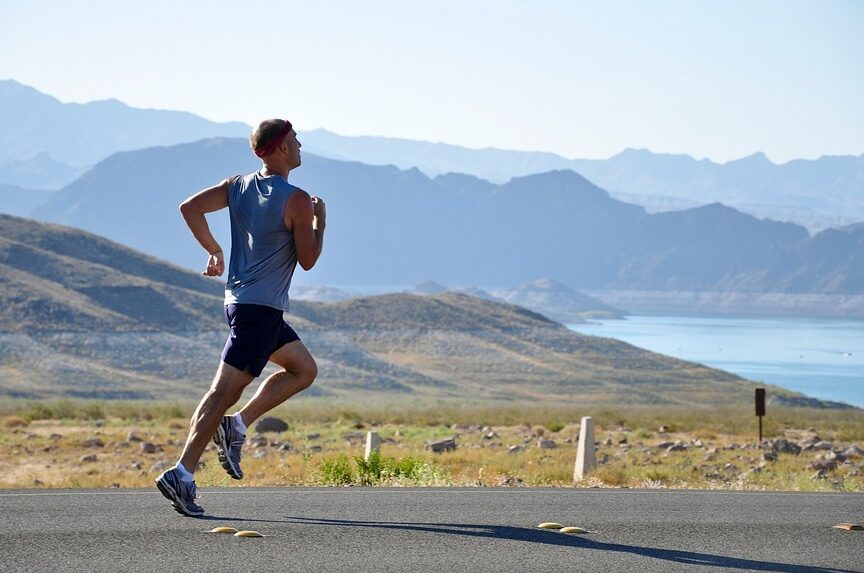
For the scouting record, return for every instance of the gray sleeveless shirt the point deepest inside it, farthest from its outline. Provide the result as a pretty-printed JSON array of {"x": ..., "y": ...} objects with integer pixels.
[{"x": 263, "y": 255}]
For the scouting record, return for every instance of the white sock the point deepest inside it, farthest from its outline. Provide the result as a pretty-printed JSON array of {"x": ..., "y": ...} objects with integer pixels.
[
  {"x": 184, "y": 473},
  {"x": 238, "y": 421}
]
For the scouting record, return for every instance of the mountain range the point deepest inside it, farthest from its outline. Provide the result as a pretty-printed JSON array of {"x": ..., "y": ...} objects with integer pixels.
[
  {"x": 394, "y": 227},
  {"x": 698, "y": 259},
  {"x": 85, "y": 317},
  {"x": 818, "y": 193},
  {"x": 45, "y": 143},
  {"x": 48, "y": 144}
]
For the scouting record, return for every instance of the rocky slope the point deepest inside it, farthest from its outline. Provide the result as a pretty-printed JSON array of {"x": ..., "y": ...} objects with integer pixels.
[{"x": 85, "y": 317}]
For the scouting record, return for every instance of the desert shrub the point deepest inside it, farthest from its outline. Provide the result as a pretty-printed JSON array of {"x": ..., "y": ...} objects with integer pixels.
[
  {"x": 379, "y": 469},
  {"x": 14, "y": 422},
  {"x": 92, "y": 411},
  {"x": 644, "y": 433},
  {"x": 336, "y": 470},
  {"x": 611, "y": 475},
  {"x": 369, "y": 471},
  {"x": 704, "y": 434},
  {"x": 656, "y": 475},
  {"x": 56, "y": 410},
  {"x": 555, "y": 426},
  {"x": 410, "y": 468}
]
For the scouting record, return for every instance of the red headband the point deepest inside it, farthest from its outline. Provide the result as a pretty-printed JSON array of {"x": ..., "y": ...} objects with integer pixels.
[{"x": 271, "y": 145}]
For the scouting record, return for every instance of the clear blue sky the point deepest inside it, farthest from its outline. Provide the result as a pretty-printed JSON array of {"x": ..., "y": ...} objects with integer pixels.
[{"x": 711, "y": 79}]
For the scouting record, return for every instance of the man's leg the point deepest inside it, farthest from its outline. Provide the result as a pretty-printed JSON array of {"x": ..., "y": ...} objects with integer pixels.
[
  {"x": 226, "y": 389},
  {"x": 177, "y": 483},
  {"x": 298, "y": 372}
]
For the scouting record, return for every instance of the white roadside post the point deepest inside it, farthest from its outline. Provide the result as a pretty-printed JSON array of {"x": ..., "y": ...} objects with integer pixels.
[
  {"x": 586, "y": 460},
  {"x": 373, "y": 444}
]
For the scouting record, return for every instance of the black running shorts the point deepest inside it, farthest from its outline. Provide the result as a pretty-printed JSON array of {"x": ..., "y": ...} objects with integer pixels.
[{"x": 257, "y": 331}]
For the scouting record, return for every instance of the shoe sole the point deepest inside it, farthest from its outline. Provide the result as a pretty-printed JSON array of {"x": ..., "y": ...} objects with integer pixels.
[
  {"x": 233, "y": 470},
  {"x": 175, "y": 500}
]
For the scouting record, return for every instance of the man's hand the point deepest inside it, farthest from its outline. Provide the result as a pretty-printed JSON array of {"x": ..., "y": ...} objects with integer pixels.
[
  {"x": 215, "y": 265},
  {"x": 319, "y": 210}
]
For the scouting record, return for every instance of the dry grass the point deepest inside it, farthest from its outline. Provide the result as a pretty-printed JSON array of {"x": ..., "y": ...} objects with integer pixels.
[
  {"x": 428, "y": 413},
  {"x": 15, "y": 422},
  {"x": 49, "y": 452}
]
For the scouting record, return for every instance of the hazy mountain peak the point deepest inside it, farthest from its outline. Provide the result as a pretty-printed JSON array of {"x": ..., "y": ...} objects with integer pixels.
[
  {"x": 546, "y": 283},
  {"x": 633, "y": 152},
  {"x": 716, "y": 206},
  {"x": 110, "y": 103},
  {"x": 572, "y": 183},
  {"x": 645, "y": 159},
  {"x": 80, "y": 134},
  {"x": 563, "y": 176},
  {"x": 429, "y": 287},
  {"x": 758, "y": 158},
  {"x": 461, "y": 178},
  {"x": 13, "y": 88},
  {"x": 720, "y": 210},
  {"x": 556, "y": 300}
]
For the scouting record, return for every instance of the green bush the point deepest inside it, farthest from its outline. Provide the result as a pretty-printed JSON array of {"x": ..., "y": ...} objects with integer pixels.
[
  {"x": 656, "y": 474},
  {"x": 377, "y": 468},
  {"x": 644, "y": 433},
  {"x": 369, "y": 471},
  {"x": 410, "y": 468},
  {"x": 92, "y": 411},
  {"x": 59, "y": 410},
  {"x": 336, "y": 470}
]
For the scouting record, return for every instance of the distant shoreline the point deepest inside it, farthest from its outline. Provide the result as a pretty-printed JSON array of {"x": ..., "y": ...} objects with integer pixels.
[
  {"x": 692, "y": 303},
  {"x": 734, "y": 304}
]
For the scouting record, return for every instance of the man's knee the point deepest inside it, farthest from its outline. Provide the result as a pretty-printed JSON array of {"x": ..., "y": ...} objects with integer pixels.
[
  {"x": 309, "y": 371},
  {"x": 228, "y": 384},
  {"x": 224, "y": 395}
]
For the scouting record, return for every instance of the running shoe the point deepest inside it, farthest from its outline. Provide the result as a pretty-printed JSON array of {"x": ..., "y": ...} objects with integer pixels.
[
  {"x": 182, "y": 494},
  {"x": 229, "y": 442}
]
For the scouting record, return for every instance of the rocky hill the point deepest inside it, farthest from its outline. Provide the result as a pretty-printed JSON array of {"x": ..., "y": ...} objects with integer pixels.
[
  {"x": 558, "y": 301},
  {"x": 58, "y": 278},
  {"x": 85, "y": 317}
]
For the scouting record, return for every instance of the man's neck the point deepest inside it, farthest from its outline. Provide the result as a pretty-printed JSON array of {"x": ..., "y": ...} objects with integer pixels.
[{"x": 269, "y": 170}]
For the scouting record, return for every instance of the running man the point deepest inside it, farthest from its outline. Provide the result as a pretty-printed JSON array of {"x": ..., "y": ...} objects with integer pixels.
[{"x": 274, "y": 225}]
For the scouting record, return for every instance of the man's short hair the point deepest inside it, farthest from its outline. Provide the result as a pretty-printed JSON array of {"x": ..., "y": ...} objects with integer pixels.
[{"x": 263, "y": 136}]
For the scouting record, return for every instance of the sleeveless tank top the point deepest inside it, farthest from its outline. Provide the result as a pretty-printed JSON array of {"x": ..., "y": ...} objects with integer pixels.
[{"x": 263, "y": 254}]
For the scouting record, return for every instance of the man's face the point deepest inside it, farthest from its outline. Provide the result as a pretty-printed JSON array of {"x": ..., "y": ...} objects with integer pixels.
[{"x": 292, "y": 149}]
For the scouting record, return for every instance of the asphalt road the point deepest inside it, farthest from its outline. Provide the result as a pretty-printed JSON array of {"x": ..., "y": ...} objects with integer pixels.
[{"x": 401, "y": 529}]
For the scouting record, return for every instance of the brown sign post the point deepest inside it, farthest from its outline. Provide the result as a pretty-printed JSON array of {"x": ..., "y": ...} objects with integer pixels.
[{"x": 760, "y": 409}]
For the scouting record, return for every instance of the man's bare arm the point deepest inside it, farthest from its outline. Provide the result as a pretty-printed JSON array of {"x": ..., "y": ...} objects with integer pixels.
[
  {"x": 306, "y": 216},
  {"x": 193, "y": 210}
]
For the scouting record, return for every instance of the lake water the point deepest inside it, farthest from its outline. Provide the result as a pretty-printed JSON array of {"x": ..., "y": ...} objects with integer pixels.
[{"x": 823, "y": 358}]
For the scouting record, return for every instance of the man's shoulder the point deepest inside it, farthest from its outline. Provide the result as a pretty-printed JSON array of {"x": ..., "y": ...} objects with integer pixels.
[
  {"x": 237, "y": 180},
  {"x": 297, "y": 194}
]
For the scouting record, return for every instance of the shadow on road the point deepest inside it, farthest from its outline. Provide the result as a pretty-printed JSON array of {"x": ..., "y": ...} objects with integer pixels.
[{"x": 554, "y": 538}]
